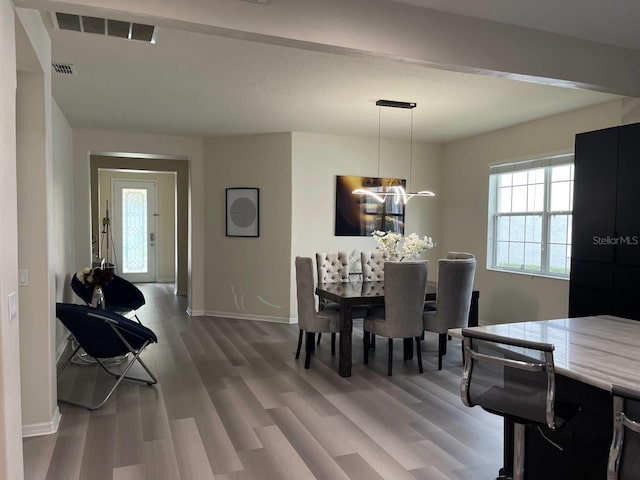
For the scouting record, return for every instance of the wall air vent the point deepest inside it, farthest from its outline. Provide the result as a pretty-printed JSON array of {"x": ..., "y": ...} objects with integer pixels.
[
  {"x": 64, "y": 68},
  {"x": 105, "y": 26}
]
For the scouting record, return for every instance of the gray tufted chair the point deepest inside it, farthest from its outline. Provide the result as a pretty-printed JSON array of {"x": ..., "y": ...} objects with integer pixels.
[
  {"x": 459, "y": 255},
  {"x": 453, "y": 300},
  {"x": 401, "y": 317},
  {"x": 332, "y": 267},
  {"x": 309, "y": 320},
  {"x": 372, "y": 266}
]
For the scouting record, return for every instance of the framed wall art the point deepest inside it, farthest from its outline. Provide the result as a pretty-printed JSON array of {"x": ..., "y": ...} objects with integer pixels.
[
  {"x": 243, "y": 212},
  {"x": 359, "y": 215}
]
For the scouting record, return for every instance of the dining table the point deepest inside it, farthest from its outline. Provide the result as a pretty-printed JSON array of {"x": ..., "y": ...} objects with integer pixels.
[{"x": 356, "y": 293}]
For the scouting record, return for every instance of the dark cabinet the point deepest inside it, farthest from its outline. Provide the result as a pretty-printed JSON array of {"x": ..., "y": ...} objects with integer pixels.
[{"x": 605, "y": 263}]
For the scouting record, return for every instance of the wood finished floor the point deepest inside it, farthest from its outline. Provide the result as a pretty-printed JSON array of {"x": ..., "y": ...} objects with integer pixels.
[{"x": 232, "y": 403}]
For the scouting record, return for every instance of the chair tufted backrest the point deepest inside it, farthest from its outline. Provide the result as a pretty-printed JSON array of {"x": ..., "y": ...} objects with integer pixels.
[
  {"x": 372, "y": 266},
  {"x": 355, "y": 267},
  {"x": 333, "y": 267},
  {"x": 459, "y": 255}
]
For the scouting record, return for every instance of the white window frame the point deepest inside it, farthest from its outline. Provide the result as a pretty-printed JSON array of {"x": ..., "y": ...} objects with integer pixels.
[{"x": 492, "y": 225}]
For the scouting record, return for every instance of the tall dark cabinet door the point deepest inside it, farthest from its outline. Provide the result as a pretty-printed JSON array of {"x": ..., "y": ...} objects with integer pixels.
[
  {"x": 594, "y": 198},
  {"x": 594, "y": 214},
  {"x": 628, "y": 203}
]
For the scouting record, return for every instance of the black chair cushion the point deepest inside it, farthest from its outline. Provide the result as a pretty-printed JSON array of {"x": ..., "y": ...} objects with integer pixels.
[{"x": 92, "y": 328}]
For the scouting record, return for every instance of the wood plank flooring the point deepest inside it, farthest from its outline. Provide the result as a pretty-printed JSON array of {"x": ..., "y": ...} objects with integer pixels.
[{"x": 232, "y": 403}]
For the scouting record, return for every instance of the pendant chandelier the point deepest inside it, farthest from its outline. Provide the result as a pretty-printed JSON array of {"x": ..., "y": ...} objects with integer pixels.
[{"x": 397, "y": 192}]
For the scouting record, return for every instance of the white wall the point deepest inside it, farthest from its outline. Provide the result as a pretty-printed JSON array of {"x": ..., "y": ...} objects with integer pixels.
[
  {"x": 10, "y": 408},
  {"x": 165, "y": 208},
  {"x": 508, "y": 297},
  {"x": 86, "y": 141},
  {"x": 249, "y": 277},
  {"x": 36, "y": 249},
  {"x": 62, "y": 232},
  {"x": 317, "y": 159}
]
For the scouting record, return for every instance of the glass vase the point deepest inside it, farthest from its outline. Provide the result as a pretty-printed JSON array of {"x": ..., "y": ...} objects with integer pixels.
[{"x": 97, "y": 298}]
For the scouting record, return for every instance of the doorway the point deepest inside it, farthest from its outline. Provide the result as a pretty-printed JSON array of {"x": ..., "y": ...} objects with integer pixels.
[
  {"x": 134, "y": 228},
  {"x": 172, "y": 207}
]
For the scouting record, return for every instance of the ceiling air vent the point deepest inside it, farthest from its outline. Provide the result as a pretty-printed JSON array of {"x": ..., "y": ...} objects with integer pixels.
[
  {"x": 105, "y": 26},
  {"x": 64, "y": 68}
]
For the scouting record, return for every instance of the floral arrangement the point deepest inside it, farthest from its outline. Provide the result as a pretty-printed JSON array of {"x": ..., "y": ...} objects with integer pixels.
[
  {"x": 95, "y": 277},
  {"x": 393, "y": 248}
]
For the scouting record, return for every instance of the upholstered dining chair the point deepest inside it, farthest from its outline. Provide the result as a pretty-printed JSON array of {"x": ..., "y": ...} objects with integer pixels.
[
  {"x": 310, "y": 320},
  {"x": 333, "y": 267},
  {"x": 453, "y": 300},
  {"x": 103, "y": 335},
  {"x": 624, "y": 454},
  {"x": 401, "y": 317},
  {"x": 459, "y": 255},
  {"x": 515, "y": 379},
  {"x": 372, "y": 266}
]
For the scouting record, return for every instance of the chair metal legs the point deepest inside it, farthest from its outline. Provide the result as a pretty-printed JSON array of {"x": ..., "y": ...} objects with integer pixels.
[
  {"x": 518, "y": 451},
  {"x": 119, "y": 376},
  {"x": 333, "y": 343},
  {"x": 390, "y": 362}
]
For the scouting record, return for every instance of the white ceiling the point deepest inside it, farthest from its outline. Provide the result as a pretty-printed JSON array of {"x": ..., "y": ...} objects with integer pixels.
[
  {"x": 614, "y": 22},
  {"x": 205, "y": 85}
]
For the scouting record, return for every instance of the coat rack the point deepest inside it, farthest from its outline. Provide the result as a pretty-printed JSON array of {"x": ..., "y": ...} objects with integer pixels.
[{"x": 107, "y": 252}]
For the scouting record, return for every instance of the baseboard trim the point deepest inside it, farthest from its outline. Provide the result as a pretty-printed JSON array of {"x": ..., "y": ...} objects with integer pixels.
[
  {"x": 245, "y": 316},
  {"x": 165, "y": 280},
  {"x": 44, "y": 428}
]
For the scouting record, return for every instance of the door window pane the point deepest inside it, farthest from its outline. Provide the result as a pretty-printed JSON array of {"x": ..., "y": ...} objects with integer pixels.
[{"x": 134, "y": 230}]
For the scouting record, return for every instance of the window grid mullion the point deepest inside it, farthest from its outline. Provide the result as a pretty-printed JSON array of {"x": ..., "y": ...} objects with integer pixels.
[{"x": 544, "y": 257}]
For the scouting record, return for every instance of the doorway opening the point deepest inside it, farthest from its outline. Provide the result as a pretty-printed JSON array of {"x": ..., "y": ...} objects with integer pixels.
[{"x": 139, "y": 217}]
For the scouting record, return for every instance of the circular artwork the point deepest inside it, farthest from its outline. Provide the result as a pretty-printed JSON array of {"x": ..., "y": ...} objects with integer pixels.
[{"x": 243, "y": 212}]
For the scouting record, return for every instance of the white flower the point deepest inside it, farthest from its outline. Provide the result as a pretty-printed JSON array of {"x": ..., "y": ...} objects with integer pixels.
[
  {"x": 414, "y": 245},
  {"x": 389, "y": 245}
]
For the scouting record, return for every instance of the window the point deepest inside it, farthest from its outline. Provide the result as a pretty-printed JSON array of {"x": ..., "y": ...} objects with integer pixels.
[{"x": 530, "y": 212}]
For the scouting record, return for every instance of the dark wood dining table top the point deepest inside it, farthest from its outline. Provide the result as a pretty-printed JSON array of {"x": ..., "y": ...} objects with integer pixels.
[{"x": 361, "y": 293}]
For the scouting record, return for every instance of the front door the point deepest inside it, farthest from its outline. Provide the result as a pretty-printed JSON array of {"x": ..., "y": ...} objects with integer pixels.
[{"x": 134, "y": 229}]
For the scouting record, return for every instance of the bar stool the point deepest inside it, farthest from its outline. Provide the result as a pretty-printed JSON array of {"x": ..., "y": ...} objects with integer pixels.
[
  {"x": 515, "y": 379},
  {"x": 624, "y": 454}
]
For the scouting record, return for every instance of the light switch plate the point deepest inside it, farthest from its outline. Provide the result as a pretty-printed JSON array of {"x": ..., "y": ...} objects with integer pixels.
[
  {"x": 23, "y": 277},
  {"x": 13, "y": 307}
]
